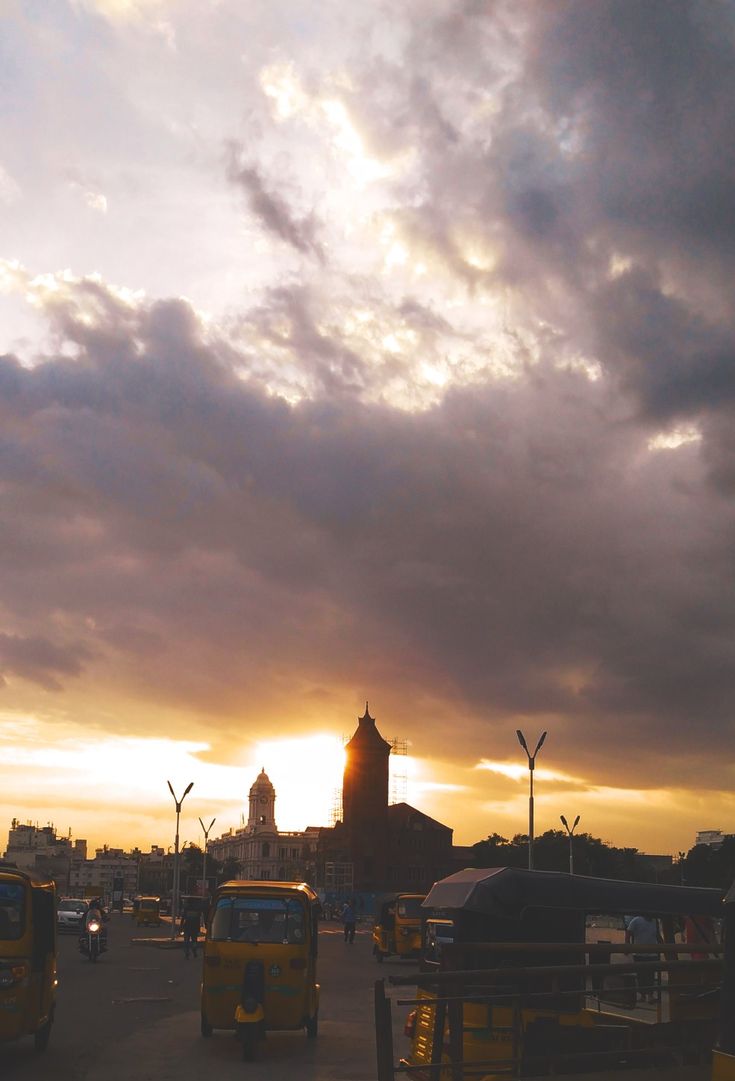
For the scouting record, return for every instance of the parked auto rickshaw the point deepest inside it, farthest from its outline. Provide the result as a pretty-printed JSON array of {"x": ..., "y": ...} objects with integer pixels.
[
  {"x": 397, "y": 928},
  {"x": 510, "y": 981},
  {"x": 723, "y": 1056},
  {"x": 148, "y": 911},
  {"x": 27, "y": 955},
  {"x": 260, "y": 957}
]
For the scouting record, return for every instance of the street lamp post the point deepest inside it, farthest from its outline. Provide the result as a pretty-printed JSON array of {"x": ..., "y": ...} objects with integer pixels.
[
  {"x": 531, "y": 767},
  {"x": 175, "y": 898},
  {"x": 570, "y": 833},
  {"x": 205, "y": 830}
]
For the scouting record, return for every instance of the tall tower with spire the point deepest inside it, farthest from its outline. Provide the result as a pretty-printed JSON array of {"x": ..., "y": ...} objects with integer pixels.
[
  {"x": 365, "y": 779},
  {"x": 365, "y": 801}
]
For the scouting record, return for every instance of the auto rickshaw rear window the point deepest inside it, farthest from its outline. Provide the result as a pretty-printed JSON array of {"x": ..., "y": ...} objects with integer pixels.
[
  {"x": 12, "y": 911},
  {"x": 257, "y": 919},
  {"x": 409, "y": 908}
]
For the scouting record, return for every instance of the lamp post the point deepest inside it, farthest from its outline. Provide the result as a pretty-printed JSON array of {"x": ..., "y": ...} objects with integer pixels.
[
  {"x": 175, "y": 898},
  {"x": 570, "y": 833},
  {"x": 531, "y": 767},
  {"x": 205, "y": 830}
]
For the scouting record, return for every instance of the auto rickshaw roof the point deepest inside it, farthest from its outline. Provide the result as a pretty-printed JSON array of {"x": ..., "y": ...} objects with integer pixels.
[
  {"x": 265, "y": 886},
  {"x": 508, "y": 891}
]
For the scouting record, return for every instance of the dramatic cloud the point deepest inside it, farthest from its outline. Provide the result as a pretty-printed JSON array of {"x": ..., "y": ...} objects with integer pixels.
[{"x": 418, "y": 385}]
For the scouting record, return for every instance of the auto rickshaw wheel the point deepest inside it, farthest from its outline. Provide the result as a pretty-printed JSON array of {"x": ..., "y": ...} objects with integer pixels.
[
  {"x": 206, "y": 1028},
  {"x": 312, "y": 1026},
  {"x": 41, "y": 1037},
  {"x": 250, "y": 1043}
]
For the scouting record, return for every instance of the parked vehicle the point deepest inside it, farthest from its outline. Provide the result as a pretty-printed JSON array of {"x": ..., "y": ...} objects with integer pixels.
[
  {"x": 511, "y": 985},
  {"x": 27, "y": 955},
  {"x": 70, "y": 913},
  {"x": 148, "y": 911},
  {"x": 397, "y": 927},
  {"x": 260, "y": 958}
]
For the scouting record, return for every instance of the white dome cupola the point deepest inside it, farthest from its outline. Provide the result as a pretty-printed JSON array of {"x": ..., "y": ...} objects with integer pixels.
[{"x": 262, "y": 804}]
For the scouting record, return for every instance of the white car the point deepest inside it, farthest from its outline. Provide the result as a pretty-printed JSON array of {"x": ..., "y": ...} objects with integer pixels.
[{"x": 70, "y": 914}]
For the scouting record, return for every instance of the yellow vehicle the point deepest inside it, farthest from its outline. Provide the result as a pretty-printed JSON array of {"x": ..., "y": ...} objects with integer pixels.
[
  {"x": 516, "y": 979},
  {"x": 27, "y": 955},
  {"x": 260, "y": 958},
  {"x": 397, "y": 928},
  {"x": 148, "y": 911},
  {"x": 723, "y": 1056}
]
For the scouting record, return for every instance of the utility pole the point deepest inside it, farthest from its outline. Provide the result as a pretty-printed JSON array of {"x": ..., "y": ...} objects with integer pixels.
[
  {"x": 175, "y": 898},
  {"x": 531, "y": 767},
  {"x": 205, "y": 830},
  {"x": 570, "y": 833}
]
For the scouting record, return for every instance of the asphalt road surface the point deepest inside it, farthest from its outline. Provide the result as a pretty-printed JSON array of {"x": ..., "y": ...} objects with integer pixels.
[{"x": 134, "y": 1016}]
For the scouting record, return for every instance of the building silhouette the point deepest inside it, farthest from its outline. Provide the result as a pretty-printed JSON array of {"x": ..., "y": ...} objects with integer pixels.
[{"x": 378, "y": 846}]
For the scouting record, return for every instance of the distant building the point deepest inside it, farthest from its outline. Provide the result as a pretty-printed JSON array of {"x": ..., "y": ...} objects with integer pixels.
[
  {"x": 260, "y": 849},
  {"x": 711, "y": 838},
  {"x": 99, "y": 876},
  {"x": 37, "y": 848},
  {"x": 155, "y": 871}
]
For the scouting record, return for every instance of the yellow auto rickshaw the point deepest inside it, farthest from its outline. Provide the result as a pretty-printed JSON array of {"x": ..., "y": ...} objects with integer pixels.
[
  {"x": 723, "y": 1055},
  {"x": 149, "y": 911},
  {"x": 27, "y": 955},
  {"x": 515, "y": 978},
  {"x": 397, "y": 927},
  {"x": 260, "y": 956}
]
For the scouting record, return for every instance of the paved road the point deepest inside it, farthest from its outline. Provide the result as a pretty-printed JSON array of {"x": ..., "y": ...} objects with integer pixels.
[{"x": 134, "y": 1016}]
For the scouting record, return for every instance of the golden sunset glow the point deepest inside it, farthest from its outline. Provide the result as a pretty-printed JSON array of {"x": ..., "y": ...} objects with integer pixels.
[{"x": 366, "y": 353}]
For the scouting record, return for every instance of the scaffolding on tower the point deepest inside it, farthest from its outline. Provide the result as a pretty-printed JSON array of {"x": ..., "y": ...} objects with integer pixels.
[
  {"x": 397, "y": 778},
  {"x": 398, "y": 771}
]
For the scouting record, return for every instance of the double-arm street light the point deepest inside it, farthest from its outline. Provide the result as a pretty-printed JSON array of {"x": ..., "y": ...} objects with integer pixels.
[
  {"x": 175, "y": 898},
  {"x": 205, "y": 830},
  {"x": 531, "y": 767},
  {"x": 570, "y": 833}
]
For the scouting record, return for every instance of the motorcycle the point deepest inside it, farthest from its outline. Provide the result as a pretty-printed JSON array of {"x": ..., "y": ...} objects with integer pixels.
[{"x": 93, "y": 940}]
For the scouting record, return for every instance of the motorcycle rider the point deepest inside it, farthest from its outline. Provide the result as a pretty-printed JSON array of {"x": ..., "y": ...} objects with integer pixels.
[{"x": 94, "y": 914}]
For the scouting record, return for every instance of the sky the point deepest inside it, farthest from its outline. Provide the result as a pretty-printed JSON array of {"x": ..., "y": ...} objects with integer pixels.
[{"x": 367, "y": 352}]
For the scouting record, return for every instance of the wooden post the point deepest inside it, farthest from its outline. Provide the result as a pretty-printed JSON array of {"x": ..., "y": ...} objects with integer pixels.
[{"x": 383, "y": 1033}]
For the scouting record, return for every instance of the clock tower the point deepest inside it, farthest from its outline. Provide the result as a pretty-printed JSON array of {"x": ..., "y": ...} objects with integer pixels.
[{"x": 262, "y": 805}]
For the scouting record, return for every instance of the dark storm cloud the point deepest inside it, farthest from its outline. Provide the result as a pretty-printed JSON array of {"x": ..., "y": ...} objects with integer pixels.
[
  {"x": 611, "y": 140},
  {"x": 513, "y": 552},
  {"x": 40, "y": 661},
  {"x": 271, "y": 209}
]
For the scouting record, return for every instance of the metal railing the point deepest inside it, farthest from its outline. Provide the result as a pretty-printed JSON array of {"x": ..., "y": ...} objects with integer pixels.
[{"x": 686, "y": 993}]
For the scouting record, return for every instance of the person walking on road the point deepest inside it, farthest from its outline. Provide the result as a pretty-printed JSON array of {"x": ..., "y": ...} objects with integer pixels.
[
  {"x": 643, "y": 931},
  {"x": 191, "y": 925},
  {"x": 348, "y": 919}
]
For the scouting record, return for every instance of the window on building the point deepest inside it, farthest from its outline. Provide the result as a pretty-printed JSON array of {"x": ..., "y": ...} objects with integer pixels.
[
  {"x": 266, "y": 848},
  {"x": 294, "y": 853},
  {"x": 282, "y": 853}
]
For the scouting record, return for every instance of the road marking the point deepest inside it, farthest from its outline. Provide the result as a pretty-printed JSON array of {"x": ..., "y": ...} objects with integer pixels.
[{"x": 145, "y": 998}]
